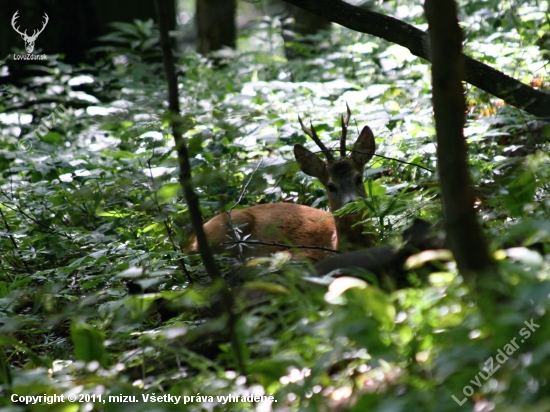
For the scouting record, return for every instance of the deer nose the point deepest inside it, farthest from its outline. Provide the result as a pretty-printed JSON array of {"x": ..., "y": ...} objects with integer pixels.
[{"x": 350, "y": 197}]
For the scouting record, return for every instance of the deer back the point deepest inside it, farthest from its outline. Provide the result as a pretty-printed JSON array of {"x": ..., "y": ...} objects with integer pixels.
[{"x": 269, "y": 227}]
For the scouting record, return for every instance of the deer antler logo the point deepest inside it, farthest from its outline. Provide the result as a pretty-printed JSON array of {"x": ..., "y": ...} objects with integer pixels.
[{"x": 29, "y": 40}]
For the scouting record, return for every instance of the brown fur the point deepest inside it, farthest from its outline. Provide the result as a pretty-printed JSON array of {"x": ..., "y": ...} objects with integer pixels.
[{"x": 274, "y": 222}]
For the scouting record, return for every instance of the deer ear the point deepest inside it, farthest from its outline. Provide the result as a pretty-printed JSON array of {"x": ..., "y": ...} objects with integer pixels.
[
  {"x": 364, "y": 147},
  {"x": 310, "y": 163}
]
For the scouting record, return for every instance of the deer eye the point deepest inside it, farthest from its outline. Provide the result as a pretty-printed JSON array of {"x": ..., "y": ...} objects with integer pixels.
[
  {"x": 332, "y": 188},
  {"x": 359, "y": 180}
]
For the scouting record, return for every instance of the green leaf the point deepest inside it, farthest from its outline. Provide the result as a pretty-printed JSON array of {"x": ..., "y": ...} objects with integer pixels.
[
  {"x": 114, "y": 213},
  {"x": 53, "y": 138},
  {"x": 88, "y": 343},
  {"x": 520, "y": 191},
  {"x": 374, "y": 188},
  {"x": 167, "y": 192}
]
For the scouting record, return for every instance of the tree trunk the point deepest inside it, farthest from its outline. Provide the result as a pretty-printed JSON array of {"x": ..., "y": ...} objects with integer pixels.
[
  {"x": 215, "y": 24},
  {"x": 463, "y": 232},
  {"x": 303, "y": 24}
]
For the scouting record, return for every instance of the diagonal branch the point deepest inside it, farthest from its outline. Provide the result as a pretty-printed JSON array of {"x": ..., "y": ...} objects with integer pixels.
[{"x": 388, "y": 28}]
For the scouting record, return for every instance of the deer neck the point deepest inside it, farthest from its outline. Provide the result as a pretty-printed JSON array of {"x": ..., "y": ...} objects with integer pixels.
[{"x": 350, "y": 233}]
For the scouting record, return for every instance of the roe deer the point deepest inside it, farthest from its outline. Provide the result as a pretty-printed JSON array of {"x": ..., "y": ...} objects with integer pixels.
[{"x": 292, "y": 224}]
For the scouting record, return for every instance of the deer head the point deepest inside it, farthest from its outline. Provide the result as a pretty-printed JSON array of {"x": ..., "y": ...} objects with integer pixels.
[
  {"x": 342, "y": 178},
  {"x": 29, "y": 40}
]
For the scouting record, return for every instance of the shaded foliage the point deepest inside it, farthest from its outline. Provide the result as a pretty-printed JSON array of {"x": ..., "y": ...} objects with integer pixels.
[{"x": 94, "y": 206}]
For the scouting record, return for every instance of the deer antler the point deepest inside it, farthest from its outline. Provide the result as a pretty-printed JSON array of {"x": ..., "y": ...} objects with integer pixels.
[
  {"x": 313, "y": 134},
  {"x": 345, "y": 121},
  {"x": 47, "y": 19},
  {"x": 13, "y": 21},
  {"x": 35, "y": 33}
]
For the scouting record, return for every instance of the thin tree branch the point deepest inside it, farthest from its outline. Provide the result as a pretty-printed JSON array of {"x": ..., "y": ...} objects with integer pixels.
[
  {"x": 378, "y": 155},
  {"x": 257, "y": 242},
  {"x": 181, "y": 147},
  {"x": 224, "y": 304}
]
